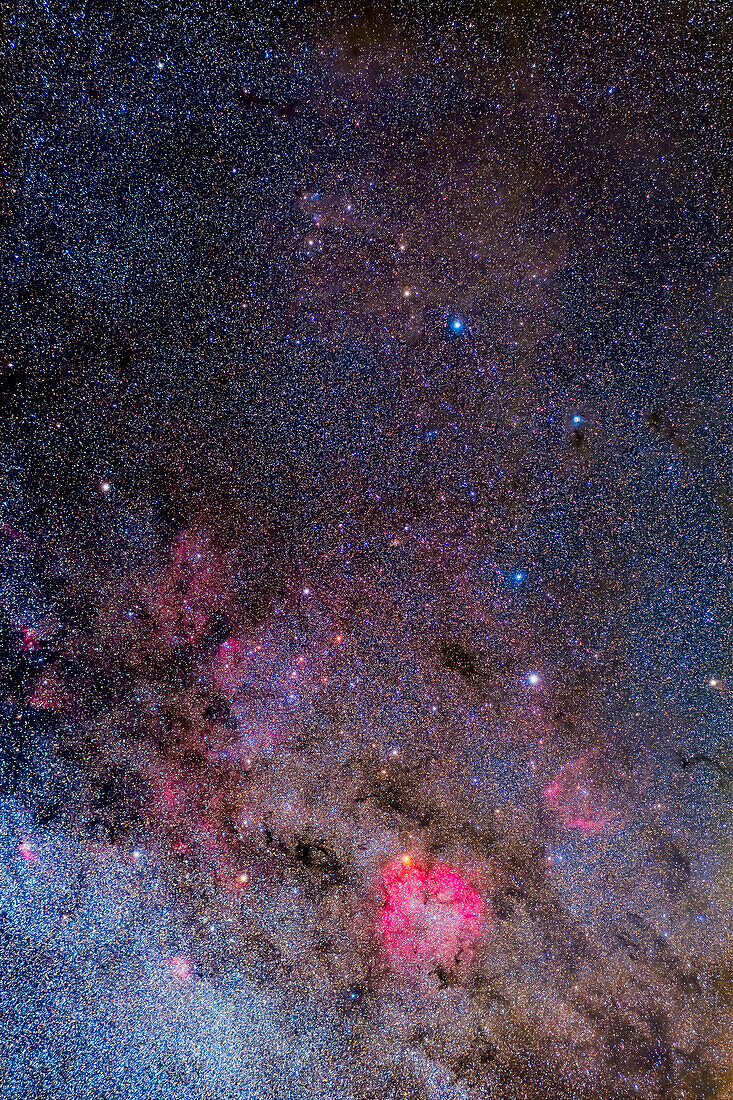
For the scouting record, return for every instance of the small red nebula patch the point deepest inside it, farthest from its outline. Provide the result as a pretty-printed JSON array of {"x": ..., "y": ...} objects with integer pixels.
[
  {"x": 29, "y": 639},
  {"x": 180, "y": 968},
  {"x": 431, "y": 917},
  {"x": 587, "y": 796},
  {"x": 27, "y": 851}
]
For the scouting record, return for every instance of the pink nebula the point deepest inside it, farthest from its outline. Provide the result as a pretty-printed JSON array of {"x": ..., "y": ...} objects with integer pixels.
[
  {"x": 431, "y": 917},
  {"x": 195, "y": 585},
  {"x": 179, "y": 968},
  {"x": 27, "y": 851},
  {"x": 269, "y": 679},
  {"x": 587, "y": 795},
  {"x": 29, "y": 638}
]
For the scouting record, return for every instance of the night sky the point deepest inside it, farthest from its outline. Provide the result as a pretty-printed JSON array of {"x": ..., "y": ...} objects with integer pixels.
[{"x": 365, "y": 552}]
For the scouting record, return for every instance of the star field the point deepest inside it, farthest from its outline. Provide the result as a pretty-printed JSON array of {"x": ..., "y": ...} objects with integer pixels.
[{"x": 365, "y": 522}]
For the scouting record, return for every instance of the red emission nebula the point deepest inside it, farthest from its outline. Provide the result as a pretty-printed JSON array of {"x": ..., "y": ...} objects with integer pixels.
[{"x": 431, "y": 918}]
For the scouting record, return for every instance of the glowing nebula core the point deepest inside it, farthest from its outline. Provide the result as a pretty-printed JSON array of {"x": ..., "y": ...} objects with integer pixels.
[{"x": 431, "y": 917}]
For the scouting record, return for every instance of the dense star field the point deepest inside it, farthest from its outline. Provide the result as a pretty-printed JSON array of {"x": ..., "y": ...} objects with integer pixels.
[{"x": 365, "y": 520}]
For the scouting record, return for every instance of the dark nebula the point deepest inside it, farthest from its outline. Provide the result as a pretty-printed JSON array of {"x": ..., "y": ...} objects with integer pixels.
[{"x": 365, "y": 548}]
